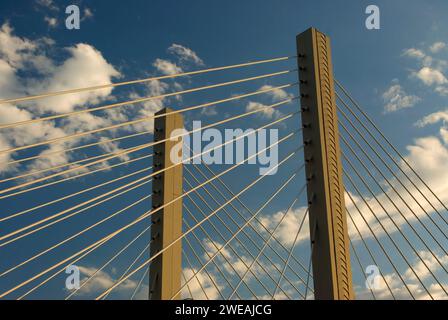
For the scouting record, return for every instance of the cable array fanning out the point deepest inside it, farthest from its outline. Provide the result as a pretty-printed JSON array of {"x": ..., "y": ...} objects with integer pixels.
[
  {"x": 111, "y": 206},
  {"x": 98, "y": 209}
]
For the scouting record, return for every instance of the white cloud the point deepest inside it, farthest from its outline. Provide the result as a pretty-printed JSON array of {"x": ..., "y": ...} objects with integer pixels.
[
  {"x": 433, "y": 118},
  {"x": 268, "y": 113},
  {"x": 277, "y": 94},
  {"x": 86, "y": 67},
  {"x": 431, "y": 76},
  {"x": 51, "y": 21},
  {"x": 428, "y": 156},
  {"x": 443, "y": 91},
  {"x": 14, "y": 50},
  {"x": 209, "y": 111},
  {"x": 9, "y": 85},
  {"x": 185, "y": 54},
  {"x": 437, "y": 46},
  {"x": 49, "y": 4},
  {"x": 431, "y": 70},
  {"x": 199, "y": 284},
  {"x": 88, "y": 13},
  {"x": 166, "y": 67},
  {"x": 101, "y": 282},
  {"x": 398, "y": 288},
  {"x": 414, "y": 53},
  {"x": 396, "y": 98},
  {"x": 287, "y": 230},
  {"x": 148, "y": 108}
]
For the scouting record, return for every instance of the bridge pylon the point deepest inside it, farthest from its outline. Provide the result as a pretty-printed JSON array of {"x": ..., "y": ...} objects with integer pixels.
[
  {"x": 327, "y": 216},
  {"x": 166, "y": 270}
]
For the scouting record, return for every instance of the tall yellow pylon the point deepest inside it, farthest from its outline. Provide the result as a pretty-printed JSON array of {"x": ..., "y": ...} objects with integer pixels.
[
  {"x": 166, "y": 269},
  {"x": 328, "y": 224}
]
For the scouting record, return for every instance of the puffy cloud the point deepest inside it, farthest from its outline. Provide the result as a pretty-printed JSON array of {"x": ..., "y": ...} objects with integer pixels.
[
  {"x": 396, "y": 98},
  {"x": 433, "y": 118},
  {"x": 431, "y": 70},
  {"x": 9, "y": 85},
  {"x": 85, "y": 66},
  {"x": 437, "y": 46},
  {"x": 14, "y": 50},
  {"x": 443, "y": 91},
  {"x": 25, "y": 134},
  {"x": 287, "y": 230},
  {"x": 49, "y": 4},
  {"x": 88, "y": 13},
  {"x": 101, "y": 282},
  {"x": 398, "y": 288},
  {"x": 166, "y": 67},
  {"x": 185, "y": 54},
  {"x": 431, "y": 76},
  {"x": 209, "y": 111},
  {"x": 268, "y": 113},
  {"x": 51, "y": 21},
  {"x": 149, "y": 108},
  {"x": 277, "y": 94},
  {"x": 199, "y": 284},
  {"x": 414, "y": 53},
  {"x": 428, "y": 156}
]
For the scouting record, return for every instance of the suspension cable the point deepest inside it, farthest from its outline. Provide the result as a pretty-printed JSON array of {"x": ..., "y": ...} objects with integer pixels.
[
  {"x": 146, "y": 215},
  {"x": 282, "y": 274},
  {"x": 216, "y": 247},
  {"x": 102, "y": 141},
  {"x": 160, "y": 171},
  {"x": 224, "y": 239},
  {"x": 212, "y": 280},
  {"x": 81, "y": 134},
  {"x": 396, "y": 207},
  {"x": 309, "y": 270},
  {"x": 143, "y": 146},
  {"x": 392, "y": 187},
  {"x": 369, "y": 252},
  {"x": 80, "y": 255},
  {"x": 131, "y": 102},
  {"x": 139, "y": 284},
  {"x": 197, "y": 277},
  {"x": 144, "y": 119},
  {"x": 145, "y": 249},
  {"x": 54, "y": 168},
  {"x": 187, "y": 225},
  {"x": 396, "y": 177},
  {"x": 116, "y": 213},
  {"x": 385, "y": 231},
  {"x": 75, "y": 194},
  {"x": 395, "y": 150},
  {"x": 272, "y": 197},
  {"x": 116, "y": 255},
  {"x": 251, "y": 226},
  {"x": 229, "y": 215},
  {"x": 171, "y": 76},
  {"x": 51, "y": 183},
  {"x": 197, "y": 225},
  {"x": 124, "y": 187},
  {"x": 357, "y": 258},
  {"x": 270, "y": 237},
  {"x": 396, "y": 226}
]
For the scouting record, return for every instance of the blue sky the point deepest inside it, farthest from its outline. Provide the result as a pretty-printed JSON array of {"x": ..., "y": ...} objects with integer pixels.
[{"x": 397, "y": 72}]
